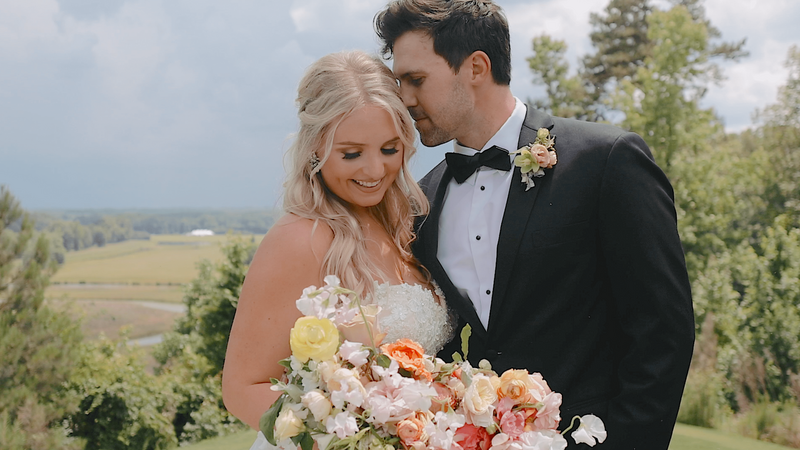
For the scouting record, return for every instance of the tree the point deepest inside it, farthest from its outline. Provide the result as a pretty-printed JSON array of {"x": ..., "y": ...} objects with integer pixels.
[
  {"x": 567, "y": 96},
  {"x": 662, "y": 103},
  {"x": 38, "y": 345},
  {"x": 623, "y": 44}
]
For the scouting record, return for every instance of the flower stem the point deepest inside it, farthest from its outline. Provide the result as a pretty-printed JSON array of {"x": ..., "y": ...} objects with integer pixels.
[{"x": 571, "y": 424}]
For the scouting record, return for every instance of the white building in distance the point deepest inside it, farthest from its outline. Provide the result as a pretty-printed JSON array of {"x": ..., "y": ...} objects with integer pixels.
[{"x": 200, "y": 233}]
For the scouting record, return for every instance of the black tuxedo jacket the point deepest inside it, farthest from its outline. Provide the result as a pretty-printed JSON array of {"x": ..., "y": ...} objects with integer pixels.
[{"x": 590, "y": 286}]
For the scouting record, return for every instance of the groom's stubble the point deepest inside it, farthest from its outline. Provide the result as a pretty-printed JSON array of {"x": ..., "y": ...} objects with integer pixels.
[{"x": 441, "y": 119}]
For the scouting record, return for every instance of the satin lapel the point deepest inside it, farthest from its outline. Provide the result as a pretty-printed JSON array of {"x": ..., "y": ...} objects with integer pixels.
[
  {"x": 429, "y": 233},
  {"x": 517, "y": 213}
]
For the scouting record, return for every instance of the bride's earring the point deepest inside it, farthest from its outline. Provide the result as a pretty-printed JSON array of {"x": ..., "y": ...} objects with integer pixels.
[{"x": 314, "y": 162}]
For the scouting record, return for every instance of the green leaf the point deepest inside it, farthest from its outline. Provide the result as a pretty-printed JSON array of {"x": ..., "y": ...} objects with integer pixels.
[
  {"x": 267, "y": 422},
  {"x": 457, "y": 357},
  {"x": 383, "y": 361},
  {"x": 466, "y": 332},
  {"x": 304, "y": 440},
  {"x": 286, "y": 363}
]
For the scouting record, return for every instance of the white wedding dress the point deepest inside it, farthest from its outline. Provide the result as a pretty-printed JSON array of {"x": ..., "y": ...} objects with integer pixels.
[{"x": 407, "y": 311}]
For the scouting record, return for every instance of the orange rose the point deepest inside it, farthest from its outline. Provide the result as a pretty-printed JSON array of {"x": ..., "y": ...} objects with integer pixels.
[{"x": 409, "y": 355}]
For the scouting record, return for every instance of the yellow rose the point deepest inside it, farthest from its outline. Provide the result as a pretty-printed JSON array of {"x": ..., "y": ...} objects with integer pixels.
[
  {"x": 287, "y": 425},
  {"x": 314, "y": 338},
  {"x": 515, "y": 384}
]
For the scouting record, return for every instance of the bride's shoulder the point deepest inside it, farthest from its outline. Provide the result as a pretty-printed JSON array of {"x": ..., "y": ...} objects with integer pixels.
[{"x": 295, "y": 235}]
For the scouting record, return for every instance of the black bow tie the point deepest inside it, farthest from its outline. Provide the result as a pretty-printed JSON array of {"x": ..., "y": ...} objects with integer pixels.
[{"x": 464, "y": 166}]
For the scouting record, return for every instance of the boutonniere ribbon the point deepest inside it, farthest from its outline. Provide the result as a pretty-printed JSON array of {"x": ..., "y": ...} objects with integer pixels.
[{"x": 533, "y": 158}]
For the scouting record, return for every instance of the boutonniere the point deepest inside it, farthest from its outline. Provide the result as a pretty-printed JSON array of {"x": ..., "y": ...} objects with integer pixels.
[{"x": 533, "y": 158}]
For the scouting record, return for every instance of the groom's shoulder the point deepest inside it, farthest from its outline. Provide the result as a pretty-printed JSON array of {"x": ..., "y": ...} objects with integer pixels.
[
  {"x": 598, "y": 134},
  {"x": 430, "y": 181}
]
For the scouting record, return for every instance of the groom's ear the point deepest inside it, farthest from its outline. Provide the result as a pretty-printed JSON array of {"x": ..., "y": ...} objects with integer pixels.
[{"x": 480, "y": 67}]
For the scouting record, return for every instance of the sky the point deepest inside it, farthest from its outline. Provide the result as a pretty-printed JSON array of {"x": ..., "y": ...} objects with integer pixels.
[{"x": 190, "y": 103}]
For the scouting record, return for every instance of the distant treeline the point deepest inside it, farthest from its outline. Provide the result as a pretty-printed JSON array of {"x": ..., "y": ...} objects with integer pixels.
[{"x": 79, "y": 229}]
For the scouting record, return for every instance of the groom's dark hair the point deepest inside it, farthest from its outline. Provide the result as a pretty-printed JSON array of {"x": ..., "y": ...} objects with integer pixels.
[{"x": 458, "y": 28}]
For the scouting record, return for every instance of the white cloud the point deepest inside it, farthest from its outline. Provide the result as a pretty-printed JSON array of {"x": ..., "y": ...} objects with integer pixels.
[{"x": 134, "y": 102}]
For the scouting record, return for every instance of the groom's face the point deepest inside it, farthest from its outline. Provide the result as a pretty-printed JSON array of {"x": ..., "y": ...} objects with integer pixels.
[{"x": 437, "y": 97}]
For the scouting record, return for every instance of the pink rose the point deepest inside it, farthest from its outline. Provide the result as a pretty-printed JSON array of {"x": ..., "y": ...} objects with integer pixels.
[
  {"x": 544, "y": 158},
  {"x": 470, "y": 437},
  {"x": 549, "y": 415},
  {"x": 538, "y": 387},
  {"x": 513, "y": 424}
]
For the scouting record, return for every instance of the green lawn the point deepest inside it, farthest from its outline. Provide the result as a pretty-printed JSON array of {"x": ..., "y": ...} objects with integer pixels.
[
  {"x": 162, "y": 259},
  {"x": 147, "y": 292},
  {"x": 686, "y": 437}
]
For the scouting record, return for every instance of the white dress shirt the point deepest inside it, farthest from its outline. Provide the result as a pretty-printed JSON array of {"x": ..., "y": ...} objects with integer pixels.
[{"x": 469, "y": 226}]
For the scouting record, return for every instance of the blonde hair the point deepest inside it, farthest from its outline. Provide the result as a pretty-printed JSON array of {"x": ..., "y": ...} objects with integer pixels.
[{"x": 331, "y": 89}]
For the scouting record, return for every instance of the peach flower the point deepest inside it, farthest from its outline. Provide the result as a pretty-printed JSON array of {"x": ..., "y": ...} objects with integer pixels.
[
  {"x": 515, "y": 385},
  {"x": 544, "y": 158},
  {"x": 410, "y": 356},
  {"x": 356, "y": 330},
  {"x": 444, "y": 400},
  {"x": 411, "y": 430}
]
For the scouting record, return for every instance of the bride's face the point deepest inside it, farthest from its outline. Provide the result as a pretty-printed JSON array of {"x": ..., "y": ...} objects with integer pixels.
[{"x": 365, "y": 159}]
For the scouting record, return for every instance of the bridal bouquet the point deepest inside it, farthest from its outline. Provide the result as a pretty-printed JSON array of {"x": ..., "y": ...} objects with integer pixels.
[{"x": 344, "y": 390}]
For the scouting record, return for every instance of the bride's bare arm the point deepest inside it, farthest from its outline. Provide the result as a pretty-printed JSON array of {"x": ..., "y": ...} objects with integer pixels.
[{"x": 287, "y": 261}]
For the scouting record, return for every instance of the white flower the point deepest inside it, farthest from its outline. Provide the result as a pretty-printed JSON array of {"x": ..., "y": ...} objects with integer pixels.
[
  {"x": 316, "y": 303},
  {"x": 418, "y": 395},
  {"x": 442, "y": 429},
  {"x": 287, "y": 425},
  {"x": 322, "y": 440},
  {"x": 542, "y": 440},
  {"x": 343, "y": 424},
  {"x": 318, "y": 404},
  {"x": 354, "y": 352},
  {"x": 346, "y": 387},
  {"x": 479, "y": 400},
  {"x": 332, "y": 281},
  {"x": 591, "y": 431}
]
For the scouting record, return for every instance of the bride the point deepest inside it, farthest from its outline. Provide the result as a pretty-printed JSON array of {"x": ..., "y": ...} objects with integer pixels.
[{"x": 350, "y": 204}]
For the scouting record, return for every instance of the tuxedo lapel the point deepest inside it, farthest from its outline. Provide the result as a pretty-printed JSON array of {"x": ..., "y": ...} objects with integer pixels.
[
  {"x": 517, "y": 213},
  {"x": 429, "y": 234}
]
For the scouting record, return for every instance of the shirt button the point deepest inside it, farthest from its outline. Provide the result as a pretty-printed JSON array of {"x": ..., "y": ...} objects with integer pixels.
[
  {"x": 483, "y": 188},
  {"x": 488, "y": 292},
  {"x": 478, "y": 238}
]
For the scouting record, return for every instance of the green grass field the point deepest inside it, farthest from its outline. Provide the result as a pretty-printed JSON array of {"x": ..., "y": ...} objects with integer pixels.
[
  {"x": 147, "y": 292},
  {"x": 106, "y": 286},
  {"x": 162, "y": 259},
  {"x": 686, "y": 437}
]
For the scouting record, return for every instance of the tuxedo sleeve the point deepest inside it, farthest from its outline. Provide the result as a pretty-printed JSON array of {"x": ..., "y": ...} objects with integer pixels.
[{"x": 651, "y": 296}]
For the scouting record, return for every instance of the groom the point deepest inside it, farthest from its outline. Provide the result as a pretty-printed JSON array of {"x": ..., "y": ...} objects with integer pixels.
[{"x": 580, "y": 277}]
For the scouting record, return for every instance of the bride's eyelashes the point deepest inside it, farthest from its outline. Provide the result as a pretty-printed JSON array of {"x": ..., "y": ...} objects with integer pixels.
[{"x": 354, "y": 155}]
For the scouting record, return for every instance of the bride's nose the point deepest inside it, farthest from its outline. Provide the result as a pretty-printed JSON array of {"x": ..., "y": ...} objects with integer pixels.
[{"x": 374, "y": 167}]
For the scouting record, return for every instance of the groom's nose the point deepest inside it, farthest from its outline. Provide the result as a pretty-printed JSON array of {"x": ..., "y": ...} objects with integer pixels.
[{"x": 407, "y": 94}]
